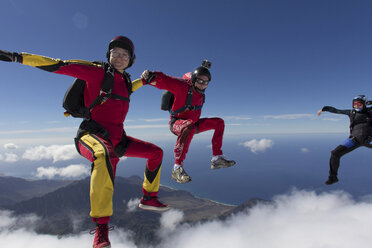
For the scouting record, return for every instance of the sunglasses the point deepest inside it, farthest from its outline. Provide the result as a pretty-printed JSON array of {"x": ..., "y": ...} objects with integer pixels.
[{"x": 201, "y": 81}]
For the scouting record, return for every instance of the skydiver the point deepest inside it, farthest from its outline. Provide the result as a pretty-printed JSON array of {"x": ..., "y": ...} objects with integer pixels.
[{"x": 360, "y": 133}]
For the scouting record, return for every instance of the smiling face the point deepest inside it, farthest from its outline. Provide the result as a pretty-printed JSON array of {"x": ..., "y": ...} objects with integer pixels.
[{"x": 119, "y": 58}]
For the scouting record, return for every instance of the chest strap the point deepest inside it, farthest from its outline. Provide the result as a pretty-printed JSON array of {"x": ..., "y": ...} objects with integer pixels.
[{"x": 188, "y": 104}]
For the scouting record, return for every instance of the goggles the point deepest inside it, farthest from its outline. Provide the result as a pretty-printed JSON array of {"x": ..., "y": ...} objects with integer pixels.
[
  {"x": 358, "y": 104},
  {"x": 201, "y": 81},
  {"x": 116, "y": 54}
]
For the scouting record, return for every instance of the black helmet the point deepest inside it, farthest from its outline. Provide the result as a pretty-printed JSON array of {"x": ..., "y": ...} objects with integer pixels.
[
  {"x": 360, "y": 98},
  {"x": 125, "y": 43},
  {"x": 202, "y": 70}
]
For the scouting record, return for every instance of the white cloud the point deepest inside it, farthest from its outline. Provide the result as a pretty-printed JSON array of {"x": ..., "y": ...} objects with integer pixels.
[
  {"x": 331, "y": 119},
  {"x": 10, "y": 221},
  {"x": 10, "y": 146},
  {"x": 9, "y": 157},
  {"x": 71, "y": 171},
  {"x": 258, "y": 145},
  {"x": 305, "y": 150},
  {"x": 53, "y": 122},
  {"x": 290, "y": 116},
  {"x": 18, "y": 232},
  {"x": 170, "y": 219},
  {"x": 133, "y": 204},
  {"x": 55, "y": 152},
  {"x": 305, "y": 218},
  {"x": 330, "y": 219},
  {"x": 240, "y": 118}
]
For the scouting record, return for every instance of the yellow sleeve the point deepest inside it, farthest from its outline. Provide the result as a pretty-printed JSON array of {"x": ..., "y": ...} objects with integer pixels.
[
  {"x": 136, "y": 84},
  {"x": 47, "y": 63}
]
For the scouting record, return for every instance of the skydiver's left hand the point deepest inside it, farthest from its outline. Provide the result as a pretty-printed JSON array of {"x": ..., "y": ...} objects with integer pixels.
[{"x": 148, "y": 76}]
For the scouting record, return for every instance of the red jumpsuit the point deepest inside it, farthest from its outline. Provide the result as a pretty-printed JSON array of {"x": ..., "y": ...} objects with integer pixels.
[
  {"x": 188, "y": 122},
  {"x": 97, "y": 149}
]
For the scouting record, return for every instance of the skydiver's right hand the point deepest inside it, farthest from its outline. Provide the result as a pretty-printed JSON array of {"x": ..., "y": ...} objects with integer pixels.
[
  {"x": 320, "y": 112},
  {"x": 10, "y": 57},
  {"x": 148, "y": 76}
]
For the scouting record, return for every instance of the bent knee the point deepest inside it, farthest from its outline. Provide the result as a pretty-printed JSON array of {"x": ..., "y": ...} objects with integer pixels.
[
  {"x": 338, "y": 151},
  {"x": 99, "y": 153},
  {"x": 158, "y": 153},
  {"x": 188, "y": 128},
  {"x": 220, "y": 122}
]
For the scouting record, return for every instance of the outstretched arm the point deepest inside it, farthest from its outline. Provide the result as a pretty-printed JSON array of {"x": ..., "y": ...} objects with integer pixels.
[
  {"x": 334, "y": 110},
  {"x": 163, "y": 82},
  {"x": 76, "y": 68}
]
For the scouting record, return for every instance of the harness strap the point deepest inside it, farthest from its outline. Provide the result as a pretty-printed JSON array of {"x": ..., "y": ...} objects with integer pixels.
[
  {"x": 103, "y": 98},
  {"x": 119, "y": 97},
  {"x": 188, "y": 104},
  {"x": 107, "y": 86}
]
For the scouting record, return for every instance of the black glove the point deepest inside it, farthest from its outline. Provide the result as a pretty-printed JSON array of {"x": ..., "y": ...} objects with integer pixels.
[
  {"x": 10, "y": 57},
  {"x": 148, "y": 76},
  {"x": 326, "y": 108}
]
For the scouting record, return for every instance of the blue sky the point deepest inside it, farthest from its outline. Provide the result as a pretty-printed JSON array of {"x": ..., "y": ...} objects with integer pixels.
[{"x": 274, "y": 63}]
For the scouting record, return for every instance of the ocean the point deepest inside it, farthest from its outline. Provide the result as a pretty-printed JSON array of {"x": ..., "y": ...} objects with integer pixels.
[{"x": 294, "y": 161}]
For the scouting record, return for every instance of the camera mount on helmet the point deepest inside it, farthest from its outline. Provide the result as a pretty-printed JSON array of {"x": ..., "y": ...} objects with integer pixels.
[{"x": 206, "y": 64}]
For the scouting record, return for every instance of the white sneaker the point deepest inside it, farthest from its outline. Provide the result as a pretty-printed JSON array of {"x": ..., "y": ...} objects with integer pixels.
[
  {"x": 180, "y": 175},
  {"x": 221, "y": 162}
]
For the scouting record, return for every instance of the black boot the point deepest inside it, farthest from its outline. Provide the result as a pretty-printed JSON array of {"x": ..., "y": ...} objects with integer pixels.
[{"x": 331, "y": 180}]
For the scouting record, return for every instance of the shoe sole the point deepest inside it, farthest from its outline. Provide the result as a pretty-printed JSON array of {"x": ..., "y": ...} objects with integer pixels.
[
  {"x": 151, "y": 208},
  {"x": 330, "y": 183},
  {"x": 180, "y": 181},
  {"x": 215, "y": 167},
  {"x": 106, "y": 246}
]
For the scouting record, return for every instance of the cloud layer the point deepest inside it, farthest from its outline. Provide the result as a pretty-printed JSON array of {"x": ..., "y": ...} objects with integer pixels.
[
  {"x": 298, "y": 219},
  {"x": 18, "y": 232}
]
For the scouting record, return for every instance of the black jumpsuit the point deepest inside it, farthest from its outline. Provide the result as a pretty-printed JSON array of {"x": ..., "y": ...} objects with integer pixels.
[{"x": 360, "y": 135}]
